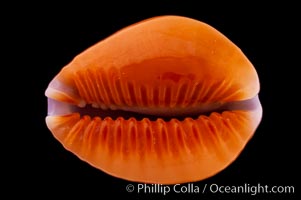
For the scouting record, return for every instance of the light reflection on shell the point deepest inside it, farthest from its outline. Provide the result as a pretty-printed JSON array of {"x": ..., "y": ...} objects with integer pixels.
[{"x": 167, "y": 100}]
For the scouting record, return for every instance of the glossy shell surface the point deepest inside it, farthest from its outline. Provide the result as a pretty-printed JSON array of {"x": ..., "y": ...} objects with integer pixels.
[{"x": 167, "y": 100}]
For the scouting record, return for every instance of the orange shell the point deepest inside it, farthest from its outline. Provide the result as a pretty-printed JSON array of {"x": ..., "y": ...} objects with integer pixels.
[{"x": 164, "y": 65}]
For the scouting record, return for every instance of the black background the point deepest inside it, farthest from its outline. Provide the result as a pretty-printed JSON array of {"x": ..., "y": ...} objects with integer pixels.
[{"x": 45, "y": 37}]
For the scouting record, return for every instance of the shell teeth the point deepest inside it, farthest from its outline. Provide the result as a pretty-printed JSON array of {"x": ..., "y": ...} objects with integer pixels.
[
  {"x": 82, "y": 104},
  {"x": 95, "y": 105},
  {"x": 95, "y": 86},
  {"x": 113, "y": 107},
  {"x": 103, "y": 107},
  {"x": 105, "y": 143}
]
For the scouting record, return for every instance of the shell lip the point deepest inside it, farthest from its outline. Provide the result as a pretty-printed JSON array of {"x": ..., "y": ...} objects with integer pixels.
[{"x": 60, "y": 108}]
